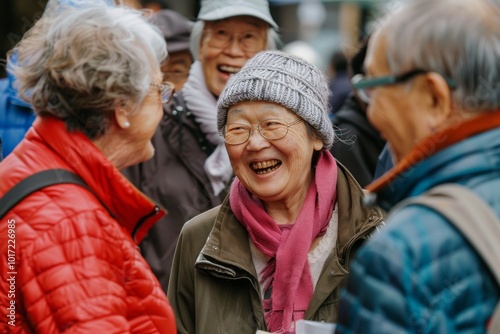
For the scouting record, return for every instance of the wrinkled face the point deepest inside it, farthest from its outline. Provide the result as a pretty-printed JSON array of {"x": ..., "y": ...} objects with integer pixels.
[
  {"x": 143, "y": 124},
  {"x": 246, "y": 36},
  {"x": 402, "y": 112},
  {"x": 272, "y": 170},
  {"x": 176, "y": 69}
]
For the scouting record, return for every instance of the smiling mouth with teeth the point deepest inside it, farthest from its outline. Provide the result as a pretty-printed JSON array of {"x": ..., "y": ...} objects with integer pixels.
[
  {"x": 265, "y": 167},
  {"x": 229, "y": 69}
]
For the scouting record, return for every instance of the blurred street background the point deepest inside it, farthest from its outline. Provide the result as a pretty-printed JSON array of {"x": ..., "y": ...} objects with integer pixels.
[{"x": 314, "y": 28}]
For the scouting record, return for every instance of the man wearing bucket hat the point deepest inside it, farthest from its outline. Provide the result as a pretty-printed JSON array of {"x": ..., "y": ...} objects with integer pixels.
[
  {"x": 191, "y": 170},
  {"x": 278, "y": 248}
]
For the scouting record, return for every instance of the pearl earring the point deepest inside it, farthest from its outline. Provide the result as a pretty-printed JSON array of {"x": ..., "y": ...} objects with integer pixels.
[{"x": 126, "y": 125}]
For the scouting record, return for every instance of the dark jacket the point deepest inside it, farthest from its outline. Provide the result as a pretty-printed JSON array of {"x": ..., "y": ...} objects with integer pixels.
[
  {"x": 214, "y": 286},
  {"x": 340, "y": 88},
  {"x": 360, "y": 143},
  {"x": 419, "y": 274},
  {"x": 77, "y": 268},
  {"x": 174, "y": 178}
]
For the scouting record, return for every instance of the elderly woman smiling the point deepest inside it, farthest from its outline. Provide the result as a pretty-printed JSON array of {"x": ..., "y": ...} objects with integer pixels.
[
  {"x": 278, "y": 247},
  {"x": 93, "y": 76},
  {"x": 226, "y": 35}
]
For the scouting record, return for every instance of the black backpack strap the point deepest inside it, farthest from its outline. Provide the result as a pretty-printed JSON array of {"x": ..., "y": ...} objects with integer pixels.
[{"x": 36, "y": 182}]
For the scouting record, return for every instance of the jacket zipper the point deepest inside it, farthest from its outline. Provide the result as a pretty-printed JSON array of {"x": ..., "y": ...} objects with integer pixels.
[
  {"x": 356, "y": 238},
  {"x": 142, "y": 221}
]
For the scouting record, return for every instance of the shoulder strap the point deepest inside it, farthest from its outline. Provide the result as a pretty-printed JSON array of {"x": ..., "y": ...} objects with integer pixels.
[
  {"x": 36, "y": 182},
  {"x": 462, "y": 207}
]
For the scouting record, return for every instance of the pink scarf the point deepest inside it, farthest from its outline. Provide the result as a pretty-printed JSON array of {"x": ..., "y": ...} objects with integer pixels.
[{"x": 288, "y": 272}]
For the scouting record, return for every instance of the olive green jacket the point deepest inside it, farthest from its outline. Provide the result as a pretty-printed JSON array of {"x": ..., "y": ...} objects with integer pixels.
[{"x": 214, "y": 287}]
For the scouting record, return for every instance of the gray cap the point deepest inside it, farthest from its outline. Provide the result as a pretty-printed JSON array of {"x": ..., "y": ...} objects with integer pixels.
[
  {"x": 285, "y": 79},
  {"x": 176, "y": 29},
  {"x": 212, "y": 10}
]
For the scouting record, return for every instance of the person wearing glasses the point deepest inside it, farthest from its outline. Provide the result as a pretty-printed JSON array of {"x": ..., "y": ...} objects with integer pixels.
[
  {"x": 69, "y": 260},
  {"x": 278, "y": 248},
  {"x": 432, "y": 85},
  {"x": 190, "y": 172}
]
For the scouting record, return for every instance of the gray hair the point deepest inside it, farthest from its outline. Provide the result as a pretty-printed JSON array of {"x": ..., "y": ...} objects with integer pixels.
[
  {"x": 273, "y": 38},
  {"x": 459, "y": 39},
  {"x": 80, "y": 64}
]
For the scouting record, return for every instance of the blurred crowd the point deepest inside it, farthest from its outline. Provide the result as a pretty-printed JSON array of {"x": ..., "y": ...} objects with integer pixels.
[{"x": 166, "y": 175}]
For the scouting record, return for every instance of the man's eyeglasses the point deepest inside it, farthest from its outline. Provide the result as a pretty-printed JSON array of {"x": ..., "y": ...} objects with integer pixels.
[
  {"x": 272, "y": 129},
  {"x": 166, "y": 89},
  {"x": 363, "y": 85},
  {"x": 251, "y": 41}
]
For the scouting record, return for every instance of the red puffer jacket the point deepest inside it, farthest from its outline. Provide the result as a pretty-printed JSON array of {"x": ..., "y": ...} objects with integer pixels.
[{"x": 76, "y": 269}]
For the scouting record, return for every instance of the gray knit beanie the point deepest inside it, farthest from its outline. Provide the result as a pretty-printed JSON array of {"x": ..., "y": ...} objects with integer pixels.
[{"x": 281, "y": 78}]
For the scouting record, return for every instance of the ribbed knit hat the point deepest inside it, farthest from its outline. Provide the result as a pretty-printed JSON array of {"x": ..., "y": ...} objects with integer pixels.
[{"x": 281, "y": 78}]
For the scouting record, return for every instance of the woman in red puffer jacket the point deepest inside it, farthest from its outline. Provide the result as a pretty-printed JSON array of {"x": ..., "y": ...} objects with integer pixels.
[{"x": 69, "y": 259}]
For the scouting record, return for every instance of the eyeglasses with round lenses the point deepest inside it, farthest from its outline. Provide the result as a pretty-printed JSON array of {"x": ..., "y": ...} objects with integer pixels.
[
  {"x": 271, "y": 129},
  {"x": 364, "y": 85},
  {"x": 251, "y": 41},
  {"x": 166, "y": 89}
]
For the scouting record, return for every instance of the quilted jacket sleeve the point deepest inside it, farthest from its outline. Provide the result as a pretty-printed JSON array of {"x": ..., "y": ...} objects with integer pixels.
[
  {"x": 376, "y": 271},
  {"x": 74, "y": 277},
  {"x": 416, "y": 276}
]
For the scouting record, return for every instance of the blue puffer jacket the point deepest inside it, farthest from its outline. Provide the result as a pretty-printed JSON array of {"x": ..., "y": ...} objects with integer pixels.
[
  {"x": 419, "y": 275},
  {"x": 16, "y": 115}
]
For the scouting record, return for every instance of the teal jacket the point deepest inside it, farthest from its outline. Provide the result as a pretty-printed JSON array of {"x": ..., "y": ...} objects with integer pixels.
[{"x": 419, "y": 275}]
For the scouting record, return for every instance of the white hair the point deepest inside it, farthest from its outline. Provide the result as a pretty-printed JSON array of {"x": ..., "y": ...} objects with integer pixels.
[
  {"x": 459, "y": 39},
  {"x": 80, "y": 63}
]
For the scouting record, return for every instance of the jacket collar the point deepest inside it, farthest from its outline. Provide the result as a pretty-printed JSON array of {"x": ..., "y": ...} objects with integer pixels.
[
  {"x": 132, "y": 209},
  {"x": 355, "y": 219},
  {"x": 434, "y": 151}
]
